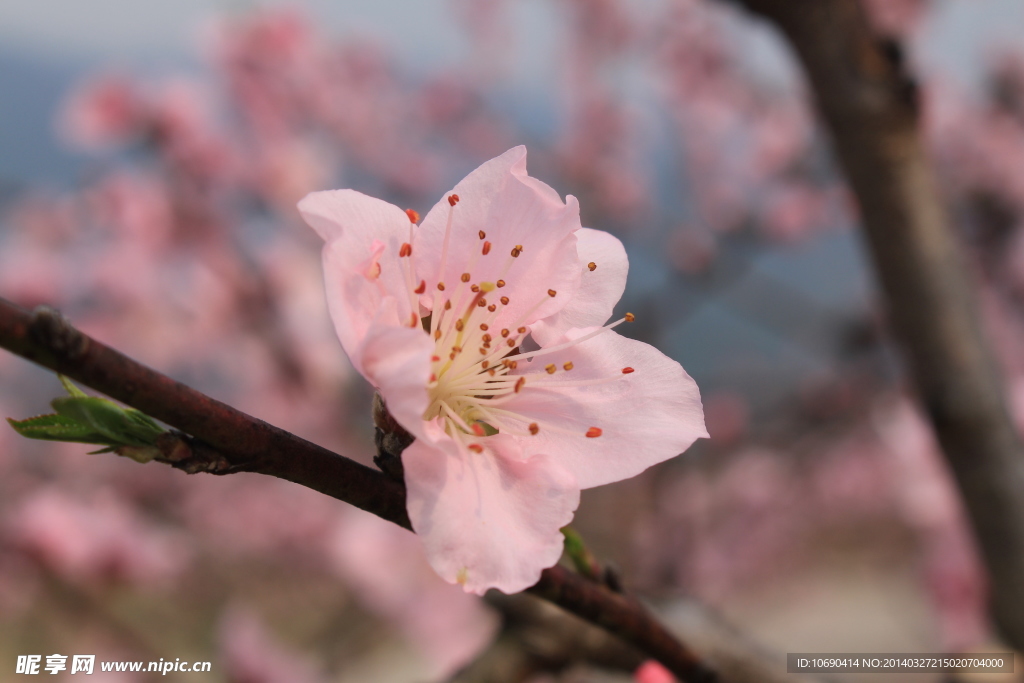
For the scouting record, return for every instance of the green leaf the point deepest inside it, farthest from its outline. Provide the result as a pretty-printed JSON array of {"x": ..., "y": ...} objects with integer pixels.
[
  {"x": 56, "y": 428},
  {"x": 81, "y": 418},
  {"x": 71, "y": 388},
  {"x": 107, "y": 418}
]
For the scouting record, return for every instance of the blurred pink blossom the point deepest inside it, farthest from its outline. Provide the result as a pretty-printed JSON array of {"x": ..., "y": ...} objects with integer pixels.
[{"x": 389, "y": 575}]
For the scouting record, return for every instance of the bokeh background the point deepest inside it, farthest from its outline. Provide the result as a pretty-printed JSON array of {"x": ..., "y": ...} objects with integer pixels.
[{"x": 151, "y": 155}]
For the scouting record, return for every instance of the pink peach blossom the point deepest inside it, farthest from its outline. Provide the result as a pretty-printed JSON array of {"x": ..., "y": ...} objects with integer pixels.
[
  {"x": 483, "y": 330},
  {"x": 653, "y": 672}
]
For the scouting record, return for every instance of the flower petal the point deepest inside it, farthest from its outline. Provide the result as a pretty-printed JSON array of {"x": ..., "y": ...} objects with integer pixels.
[
  {"x": 363, "y": 239},
  {"x": 491, "y": 519},
  {"x": 396, "y": 360},
  {"x": 644, "y": 417},
  {"x": 600, "y": 289},
  {"x": 510, "y": 208}
]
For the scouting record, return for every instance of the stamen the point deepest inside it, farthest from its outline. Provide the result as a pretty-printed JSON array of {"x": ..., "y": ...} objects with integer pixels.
[
  {"x": 626, "y": 371},
  {"x": 486, "y": 249},
  {"x": 405, "y": 250},
  {"x": 552, "y": 292},
  {"x": 492, "y": 308},
  {"x": 475, "y": 447},
  {"x": 414, "y": 216},
  {"x": 567, "y": 366},
  {"x": 534, "y": 428},
  {"x": 422, "y": 288},
  {"x": 483, "y": 326},
  {"x": 465, "y": 277},
  {"x": 440, "y": 286},
  {"x": 474, "y": 288},
  {"x": 519, "y": 384},
  {"x": 504, "y": 301},
  {"x": 594, "y": 432},
  {"x": 516, "y": 251},
  {"x": 551, "y": 368},
  {"x": 482, "y": 234},
  {"x": 453, "y": 199},
  {"x": 629, "y": 318},
  {"x": 500, "y": 283},
  {"x": 592, "y": 266}
]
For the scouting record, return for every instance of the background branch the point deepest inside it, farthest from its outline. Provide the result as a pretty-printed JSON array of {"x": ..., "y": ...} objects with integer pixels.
[
  {"x": 869, "y": 104},
  {"x": 227, "y": 440}
]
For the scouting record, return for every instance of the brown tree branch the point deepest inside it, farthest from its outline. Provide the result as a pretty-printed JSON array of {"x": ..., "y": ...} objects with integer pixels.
[
  {"x": 869, "y": 104},
  {"x": 220, "y": 439}
]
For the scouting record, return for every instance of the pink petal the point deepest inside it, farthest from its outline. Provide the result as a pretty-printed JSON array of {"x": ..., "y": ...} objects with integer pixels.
[
  {"x": 600, "y": 289},
  {"x": 647, "y": 416},
  {"x": 363, "y": 238},
  {"x": 511, "y": 208},
  {"x": 396, "y": 360},
  {"x": 491, "y": 519}
]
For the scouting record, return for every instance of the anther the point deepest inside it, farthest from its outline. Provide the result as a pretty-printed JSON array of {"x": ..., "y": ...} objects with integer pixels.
[
  {"x": 504, "y": 301},
  {"x": 521, "y": 330},
  {"x": 474, "y": 288},
  {"x": 630, "y": 317},
  {"x": 482, "y": 234},
  {"x": 534, "y": 428},
  {"x": 487, "y": 248},
  {"x": 483, "y": 326},
  {"x": 505, "y": 332},
  {"x": 492, "y": 308},
  {"x": 476, "y": 448},
  {"x": 552, "y": 292},
  {"x": 453, "y": 199},
  {"x": 437, "y": 334},
  {"x": 594, "y": 432},
  {"x": 478, "y": 429},
  {"x": 626, "y": 371},
  {"x": 422, "y": 288},
  {"x": 491, "y": 372},
  {"x": 448, "y": 305},
  {"x": 413, "y": 319},
  {"x": 567, "y": 366},
  {"x": 435, "y": 358},
  {"x": 519, "y": 247},
  {"x": 483, "y": 351},
  {"x": 516, "y": 252},
  {"x": 592, "y": 266},
  {"x": 440, "y": 286},
  {"x": 512, "y": 364},
  {"x": 519, "y": 384},
  {"x": 433, "y": 378},
  {"x": 486, "y": 337},
  {"x": 405, "y": 250},
  {"x": 413, "y": 215},
  {"x": 482, "y": 302},
  {"x": 484, "y": 365},
  {"x": 465, "y": 277},
  {"x": 459, "y": 325},
  {"x": 511, "y": 343},
  {"x": 500, "y": 283},
  {"x": 550, "y": 368}
]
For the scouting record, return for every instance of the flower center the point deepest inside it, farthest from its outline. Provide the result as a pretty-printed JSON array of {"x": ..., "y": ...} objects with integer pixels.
[{"x": 475, "y": 364}]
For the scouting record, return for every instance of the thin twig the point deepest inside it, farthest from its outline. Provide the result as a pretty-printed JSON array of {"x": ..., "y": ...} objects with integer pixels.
[{"x": 223, "y": 440}]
